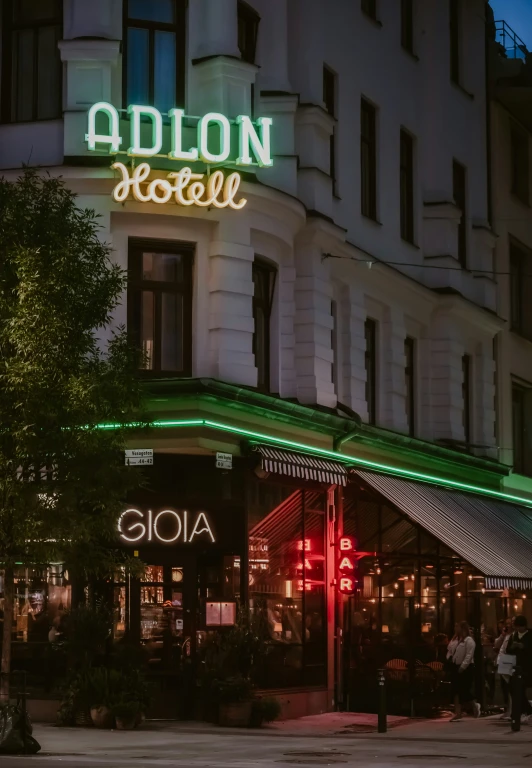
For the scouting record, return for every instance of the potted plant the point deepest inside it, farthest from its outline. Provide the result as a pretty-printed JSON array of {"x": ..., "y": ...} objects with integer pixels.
[
  {"x": 235, "y": 697},
  {"x": 100, "y": 696},
  {"x": 126, "y": 713},
  {"x": 265, "y": 709}
]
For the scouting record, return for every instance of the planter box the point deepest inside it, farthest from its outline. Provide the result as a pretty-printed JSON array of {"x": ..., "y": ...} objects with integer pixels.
[{"x": 236, "y": 715}]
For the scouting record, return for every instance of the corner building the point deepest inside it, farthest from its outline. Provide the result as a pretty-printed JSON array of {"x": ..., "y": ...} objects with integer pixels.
[{"x": 333, "y": 335}]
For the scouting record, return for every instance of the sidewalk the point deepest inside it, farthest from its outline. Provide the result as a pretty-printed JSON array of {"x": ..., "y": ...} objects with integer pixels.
[{"x": 341, "y": 727}]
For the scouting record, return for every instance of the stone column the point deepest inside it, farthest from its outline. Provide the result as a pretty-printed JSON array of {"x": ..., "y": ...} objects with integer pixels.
[
  {"x": 392, "y": 411},
  {"x": 446, "y": 351},
  {"x": 353, "y": 316},
  {"x": 213, "y": 28},
  {"x": 272, "y": 53},
  {"x": 313, "y": 326},
  {"x": 484, "y": 398},
  {"x": 231, "y": 304},
  {"x": 287, "y": 309}
]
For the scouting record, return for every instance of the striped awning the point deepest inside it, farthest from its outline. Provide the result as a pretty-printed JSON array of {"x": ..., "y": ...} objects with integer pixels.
[
  {"x": 493, "y": 536},
  {"x": 300, "y": 465}
]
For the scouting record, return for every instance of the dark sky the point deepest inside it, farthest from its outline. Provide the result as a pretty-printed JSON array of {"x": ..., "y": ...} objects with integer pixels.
[{"x": 518, "y": 14}]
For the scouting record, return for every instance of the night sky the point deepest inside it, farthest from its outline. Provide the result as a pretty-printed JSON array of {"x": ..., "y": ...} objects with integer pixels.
[{"x": 518, "y": 14}]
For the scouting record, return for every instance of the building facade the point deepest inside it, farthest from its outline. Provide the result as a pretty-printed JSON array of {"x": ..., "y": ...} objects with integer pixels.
[{"x": 316, "y": 299}]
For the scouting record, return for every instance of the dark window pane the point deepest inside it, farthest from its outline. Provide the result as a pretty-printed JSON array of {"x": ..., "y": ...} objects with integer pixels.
[
  {"x": 520, "y": 164},
  {"x": 248, "y": 29},
  {"x": 410, "y": 384},
  {"x": 407, "y": 25},
  {"x": 171, "y": 332},
  {"x": 35, "y": 10},
  {"x": 460, "y": 199},
  {"x": 138, "y": 66},
  {"x": 164, "y": 75},
  {"x": 162, "y": 267},
  {"x": 23, "y": 81},
  {"x": 454, "y": 39},
  {"x": 368, "y": 160},
  {"x": 329, "y": 90},
  {"x": 370, "y": 333},
  {"x": 466, "y": 398},
  {"x": 369, "y": 7},
  {"x": 518, "y": 423},
  {"x": 48, "y": 73},
  {"x": 152, "y": 10},
  {"x": 407, "y": 186},
  {"x": 263, "y": 283}
]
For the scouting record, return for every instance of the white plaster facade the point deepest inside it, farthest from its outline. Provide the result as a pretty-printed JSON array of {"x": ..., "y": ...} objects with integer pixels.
[{"x": 319, "y": 241}]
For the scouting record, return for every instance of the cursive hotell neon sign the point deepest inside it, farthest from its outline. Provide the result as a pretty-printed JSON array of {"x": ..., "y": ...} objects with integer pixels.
[{"x": 213, "y": 146}]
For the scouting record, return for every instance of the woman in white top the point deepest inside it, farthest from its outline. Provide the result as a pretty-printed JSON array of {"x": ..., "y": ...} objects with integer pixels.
[{"x": 461, "y": 652}]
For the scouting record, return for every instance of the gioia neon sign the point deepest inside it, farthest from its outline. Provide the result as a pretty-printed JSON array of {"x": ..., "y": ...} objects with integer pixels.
[{"x": 165, "y": 527}]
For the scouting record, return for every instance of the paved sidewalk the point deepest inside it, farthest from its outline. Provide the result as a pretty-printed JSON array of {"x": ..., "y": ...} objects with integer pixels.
[{"x": 333, "y": 727}]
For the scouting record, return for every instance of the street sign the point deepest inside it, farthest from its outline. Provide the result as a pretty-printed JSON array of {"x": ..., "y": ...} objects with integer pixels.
[
  {"x": 224, "y": 460},
  {"x": 139, "y": 457}
]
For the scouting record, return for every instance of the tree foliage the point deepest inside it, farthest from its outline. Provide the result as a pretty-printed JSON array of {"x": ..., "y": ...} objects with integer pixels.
[{"x": 62, "y": 374}]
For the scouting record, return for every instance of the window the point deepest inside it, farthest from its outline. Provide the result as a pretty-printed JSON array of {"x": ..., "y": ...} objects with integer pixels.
[
  {"x": 454, "y": 40},
  {"x": 407, "y": 25},
  {"x": 410, "y": 384},
  {"x": 160, "y": 305},
  {"x": 248, "y": 31},
  {"x": 370, "y": 358},
  {"x": 520, "y": 164},
  {"x": 521, "y": 420},
  {"x": 369, "y": 7},
  {"x": 154, "y": 52},
  {"x": 466, "y": 398},
  {"x": 263, "y": 286},
  {"x": 31, "y": 64},
  {"x": 335, "y": 372},
  {"x": 368, "y": 159},
  {"x": 407, "y": 186},
  {"x": 460, "y": 195},
  {"x": 520, "y": 289},
  {"x": 329, "y": 99}
]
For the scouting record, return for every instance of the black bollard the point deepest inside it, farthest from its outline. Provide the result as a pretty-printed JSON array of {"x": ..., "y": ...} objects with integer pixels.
[
  {"x": 516, "y": 687},
  {"x": 382, "y": 722}
]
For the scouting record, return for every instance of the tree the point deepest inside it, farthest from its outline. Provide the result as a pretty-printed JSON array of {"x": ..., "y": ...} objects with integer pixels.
[{"x": 62, "y": 476}]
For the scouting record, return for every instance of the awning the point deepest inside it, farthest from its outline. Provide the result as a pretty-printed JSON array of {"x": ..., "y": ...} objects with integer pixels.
[
  {"x": 300, "y": 465},
  {"x": 493, "y": 536}
]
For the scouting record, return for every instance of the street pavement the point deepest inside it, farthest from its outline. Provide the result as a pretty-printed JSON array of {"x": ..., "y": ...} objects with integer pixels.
[{"x": 325, "y": 740}]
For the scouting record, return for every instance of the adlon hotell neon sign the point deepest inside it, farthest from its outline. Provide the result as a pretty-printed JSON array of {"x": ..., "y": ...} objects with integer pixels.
[
  {"x": 186, "y": 187},
  {"x": 168, "y": 526}
]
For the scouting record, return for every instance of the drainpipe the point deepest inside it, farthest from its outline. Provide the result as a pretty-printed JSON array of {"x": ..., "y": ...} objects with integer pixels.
[{"x": 344, "y": 438}]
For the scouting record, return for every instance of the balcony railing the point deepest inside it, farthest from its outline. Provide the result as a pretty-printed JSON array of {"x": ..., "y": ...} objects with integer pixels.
[{"x": 513, "y": 46}]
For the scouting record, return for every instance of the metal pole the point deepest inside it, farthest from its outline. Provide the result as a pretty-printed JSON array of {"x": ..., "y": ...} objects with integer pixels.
[
  {"x": 382, "y": 721},
  {"x": 516, "y": 686}
]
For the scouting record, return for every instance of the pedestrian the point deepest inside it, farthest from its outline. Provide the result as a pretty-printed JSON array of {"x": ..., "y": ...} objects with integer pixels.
[
  {"x": 520, "y": 646},
  {"x": 501, "y": 645},
  {"x": 460, "y": 653}
]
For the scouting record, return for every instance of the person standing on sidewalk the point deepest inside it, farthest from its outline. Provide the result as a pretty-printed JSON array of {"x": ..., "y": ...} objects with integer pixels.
[
  {"x": 460, "y": 653},
  {"x": 520, "y": 646},
  {"x": 501, "y": 645}
]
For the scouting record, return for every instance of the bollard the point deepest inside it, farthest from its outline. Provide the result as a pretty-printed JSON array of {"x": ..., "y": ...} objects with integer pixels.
[
  {"x": 382, "y": 723},
  {"x": 516, "y": 687}
]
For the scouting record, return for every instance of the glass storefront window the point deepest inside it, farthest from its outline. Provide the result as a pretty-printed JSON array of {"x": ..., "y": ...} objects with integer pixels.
[
  {"x": 42, "y": 597},
  {"x": 287, "y": 583}
]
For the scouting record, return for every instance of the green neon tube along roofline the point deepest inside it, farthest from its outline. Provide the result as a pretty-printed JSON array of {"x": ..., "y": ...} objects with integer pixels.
[{"x": 352, "y": 461}]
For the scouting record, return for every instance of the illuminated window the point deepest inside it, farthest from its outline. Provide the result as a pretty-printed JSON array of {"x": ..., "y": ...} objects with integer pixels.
[
  {"x": 154, "y": 53},
  {"x": 407, "y": 186},
  {"x": 264, "y": 276},
  {"x": 160, "y": 305},
  {"x": 460, "y": 200},
  {"x": 368, "y": 159},
  {"x": 31, "y": 64},
  {"x": 248, "y": 31}
]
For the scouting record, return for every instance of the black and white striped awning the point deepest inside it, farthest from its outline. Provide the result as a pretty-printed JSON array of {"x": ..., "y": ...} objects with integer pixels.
[
  {"x": 300, "y": 465},
  {"x": 491, "y": 535}
]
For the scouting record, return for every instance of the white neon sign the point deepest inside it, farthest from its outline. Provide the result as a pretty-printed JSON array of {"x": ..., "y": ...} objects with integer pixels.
[
  {"x": 167, "y": 527},
  {"x": 253, "y": 142},
  {"x": 187, "y": 188}
]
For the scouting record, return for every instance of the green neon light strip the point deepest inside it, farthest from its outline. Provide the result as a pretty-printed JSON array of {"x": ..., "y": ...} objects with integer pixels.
[{"x": 348, "y": 460}]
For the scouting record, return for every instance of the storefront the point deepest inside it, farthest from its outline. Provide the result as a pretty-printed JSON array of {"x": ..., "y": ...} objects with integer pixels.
[{"x": 351, "y": 571}]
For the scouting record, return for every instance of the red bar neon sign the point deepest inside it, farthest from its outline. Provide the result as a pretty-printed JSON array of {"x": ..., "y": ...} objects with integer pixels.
[{"x": 346, "y": 565}]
